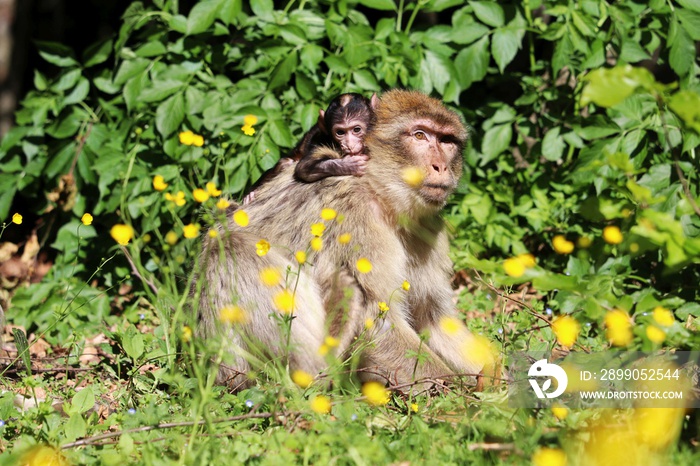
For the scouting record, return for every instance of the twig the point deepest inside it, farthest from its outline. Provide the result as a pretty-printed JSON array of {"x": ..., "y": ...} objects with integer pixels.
[
  {"x": 136, "y": 272},
  {"x": 164, "y": 425}
]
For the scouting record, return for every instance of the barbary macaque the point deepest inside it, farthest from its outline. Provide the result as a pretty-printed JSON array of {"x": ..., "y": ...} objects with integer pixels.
[
  {"x": 394, "y": 225},
  {"x": 334, "y": 146}
]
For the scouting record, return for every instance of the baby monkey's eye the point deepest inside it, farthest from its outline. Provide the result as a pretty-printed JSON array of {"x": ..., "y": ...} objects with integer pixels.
[
  {"x": 357, "y": 129},
  {"x": 339, "y": 132}
]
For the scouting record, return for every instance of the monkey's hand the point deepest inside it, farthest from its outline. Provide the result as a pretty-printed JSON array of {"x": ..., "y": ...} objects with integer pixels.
[
  {"x": 249, "y": 198},
  {"x": 352, "y": 165}
]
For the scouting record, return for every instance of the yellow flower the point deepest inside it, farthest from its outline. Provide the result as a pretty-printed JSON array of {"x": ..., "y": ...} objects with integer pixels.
[
  {"x": 413, "y": 176},
  {"x": 43, "y": 455},
  {"x": 363, "y": 265},
  {"x": 405, "y": 285},
  {"x": 331, "y": 342},
  {"x": 300, "y": 256},
  {"x": 200, "y": 195},
  {"x": 316, "y": 244},
  {"x": 250, "y": 120},
  {"x": 186, "y": 334},
  {"x": 514, "y": 267},
  {"x": 146, "y": 238},
  {"x": 655, "y": 334},
  {"x": 284, "y": 301},
  {"x": 262, "y": 247},
  {"x": 159, "y": 183},
  {"x": 383, "y": 307},
  {"x": 248, "y": 130},
  {"x": 317, "y": 229},
  {"x": 663, "y": 316},
  {"x": 560, "y": 412},
  {"x": 232, "y": 315},
  {"x": 190, "y": 231},
  {"x": 121, "y": 233},
  {"x": 301, "y": 378},
  {"x": 17, "y": 218},
  {"x": 178, "y": 199},
  {"x": 449, "y": 325},
  {"x": 188, "y": 138},
  {"x": 369, "y": 323},
  {"x": 323, "y": 349},
  {"x": 328, "y": 214},
  {"x": 527, "y": 259},
  {"x": 321, "y": 404},
  {"x": 344, "y": 238},
  {"x": 561, "y": 245},
  {"x": 171, "y": 238},
  {"x": 213, "y": 233},
  {"x": 612, "y": 234},
  {"x": 618, "y": 327},
  {"x": 240, "y": 217},
  {"x": 584, "y": 242},
  {"x": 86, "y": 219},
  {"x": 211, "y": 189},
  {"x": 414, "y": 407},
  {"x": 375, "y": 393},
  {"x": 270, "y": 276},
  {"x": 222, "y": 204},
  {"x": 545, "y": 456},
  {"x": 566, "y": 328}
]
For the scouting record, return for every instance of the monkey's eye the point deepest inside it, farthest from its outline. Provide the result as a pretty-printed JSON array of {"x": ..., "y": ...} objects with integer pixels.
[
  {"x": 357, "y": 129},
  {"x": 420, "y": 135},
  {"x": 340, "y": 132}
]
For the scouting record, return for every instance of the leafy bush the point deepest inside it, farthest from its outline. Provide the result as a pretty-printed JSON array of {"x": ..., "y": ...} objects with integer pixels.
[{"x": 585, "y": 121}]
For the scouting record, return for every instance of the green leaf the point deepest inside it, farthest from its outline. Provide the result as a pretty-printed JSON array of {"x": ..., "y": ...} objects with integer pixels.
[
  {"x": 57, "y": 54},
  {"x": 79, "y": 93},
  {"x": 202, "y": 16},
  {"x": 23, "y": 348},
  {"x": 282, "y": 73},
  {"x": 132, "y": 342},
  {"x": 366, "y": 80},
  {"x": 489, "y": 13},
  {"x": 553, "y": 145},
  {"x": 472, "y": 62},
  {"x": 75, "y": 427},
  {"x": 384, "y": 5},
  {"x": 504, "y": 46},
  {"x": 279, "y": 132},
  {"x": 632, "y": 52},
  {"x": 496, "y": 141},
  {"x": 686, "y": 104},
  {"x": 67, "y": 123},
  {"x": 690, "y": 20},
  {"x": 688, "y": 309},
  {"x": 169, "y": 114},
  {"x": 440, "y": 69},
  {"x": 690, "y": 4},
  {"x": 229, "y": 11},
  {"x": 97, "y": 53},
  {"x": 608, "y": 87},
  {"x": 682, "y": 53},
  {"x": 83, "y": 401}
]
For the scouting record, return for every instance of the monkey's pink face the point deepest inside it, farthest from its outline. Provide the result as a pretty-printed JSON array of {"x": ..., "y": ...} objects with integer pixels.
[
  {"x": 436, "y": 150},
  {"x": 350, "y": 135}
]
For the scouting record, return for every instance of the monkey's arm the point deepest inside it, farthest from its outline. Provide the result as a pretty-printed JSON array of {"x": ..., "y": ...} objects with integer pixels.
[{"x": 325, "y": 161}]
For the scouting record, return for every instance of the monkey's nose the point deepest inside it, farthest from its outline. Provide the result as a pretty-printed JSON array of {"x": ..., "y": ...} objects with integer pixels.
[{"x": 439, "y": 168}]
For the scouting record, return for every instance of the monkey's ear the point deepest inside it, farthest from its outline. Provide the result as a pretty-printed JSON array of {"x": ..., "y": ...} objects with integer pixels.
[
  {"x": 322, "y": 121},
  {"x": 374, "y": 101}
]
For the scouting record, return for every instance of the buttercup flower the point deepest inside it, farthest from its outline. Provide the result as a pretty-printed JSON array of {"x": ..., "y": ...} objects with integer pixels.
[
  {"x": 200, "y": 195},
  {"x": 301, "y": 378},
  {"x": 317, "y": 229},
  {"x": 316, "y": 244},
  {"x": 270, "y": 276},
  {"x": 375, "y": 393},
  {"x": 284, "y": 301},
  {"x": 566, "y": 328},
  {"x": 262, "y": 247},
  {"x": 449, "y": 325},
  {"x": 513, "y": 267},
  {"x": 159, "y": 183},
  {"x": 328, "y": 214},
  {"x": 186, "y": 334},
  {"x": 584, "y": 242},
  {"x": 655, "y": 334},
  {"x": 86, "y": 219},
  {"x": 188, "y": 138},
  {"x": 250, "y": 120},
  {"x": 222, "y": 204},
  {"x": 663, "y": 316},
  {"x": 300, "y": 256},
  {"x": 545, "y": 456},
  {"x": 213, "y": 233},
  {"x": 560, "y": 412},
  {"x": 321, "y": 404},
  {"x": 618, "y": 327},
  {"x": 171, "y": 238},
  {"x": 369, "y": 323},
  {"x": 383, "y": 307},
  {"x": 612, "y": 234},
  {"x": 363, "y": 265},
  {"x": 232, "y": 315},
  {"x": 211, "y": 189},
  {"x": 561, "y": 245},
  {"x": 17, "y": 219},
  {"x": 240, "y": 217},
  {"x": 344, "y": 238},
  {"x": 248, "y": 130},
  {"x": 413, "y": 176},
  {"x": 178, "y": 199},
  {"x": 190, "y": 231},
  {"x": 121, "y": 233}
]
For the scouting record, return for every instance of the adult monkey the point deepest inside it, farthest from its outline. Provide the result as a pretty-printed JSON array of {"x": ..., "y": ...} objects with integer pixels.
[{"x": 394, "y": 223}]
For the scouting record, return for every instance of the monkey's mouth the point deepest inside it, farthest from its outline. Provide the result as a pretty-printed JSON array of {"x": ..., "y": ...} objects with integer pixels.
[{"x": 435, "y": 193}]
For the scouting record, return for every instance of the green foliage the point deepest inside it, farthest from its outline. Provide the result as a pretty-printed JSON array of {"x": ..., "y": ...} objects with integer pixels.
[{"x": 583, "y": 115}]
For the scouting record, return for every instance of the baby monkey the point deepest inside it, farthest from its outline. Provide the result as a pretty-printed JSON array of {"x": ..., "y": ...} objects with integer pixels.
[{"x": 334, "y": 146}]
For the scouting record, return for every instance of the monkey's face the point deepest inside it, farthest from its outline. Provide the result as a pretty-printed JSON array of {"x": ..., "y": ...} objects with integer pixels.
[
  {"x": 436, "y": 150},
  {"x": 350, "y": 135}
]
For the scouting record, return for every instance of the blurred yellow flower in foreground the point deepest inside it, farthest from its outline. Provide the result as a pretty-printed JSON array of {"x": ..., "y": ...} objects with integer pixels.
[
  {"x": 663, "y": 316},
  {"x": 190, "y": 231},
  {"x": 655, "y": 334},
  {"x": 159, "y": 183},
  {"x": 316, "y": 244},
  {"x": 86, "y": 219},
  {"x": 328, "y": 214},
  {"x": 560, "y": 412},
  {"x": 321, "y": 404},
  {"x": 171, "y": 238},
  {"x": 375, "y": 393},
  {"x": 211, "y": 189},
  {"x": 302, "y": 379},
  {"x": 413, "y": 176},
  {"x": 250, "y": 120},
  {"x": 43, "y": 455},
  {"x": 186, "y": 334},
  {"x": 566, "y": 328},
  {"x": 240, "y": 217},
  {"x": 121, "y": 233},
  {"x": 300, "y": 256},
  {"x": 561, "y": 245},
  {"x": 222, "y": 204},
  {"x": 450, "y": 325},
  {"x": 516, "y": 266},
  {"x": 262, "y": 247},
  {"x": 317, "y": 229},
  {"x": 232, "y": 315},
  {"x": 189, "y": 138},
  {"x": 200, "y": 195},
  {"x": 344, "y": 238},
  {"x": 178, "y": 199},
  {"x": 363, "y": 265},
  {"x": 17, "y": 219},
  {"x": 270, "y": 276},
  {"x": 284, "y": 301},
  {"x": 612, "y": 234},
  {"x": 545, "y": 456},
  {"x": 618, "y": 327}
]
